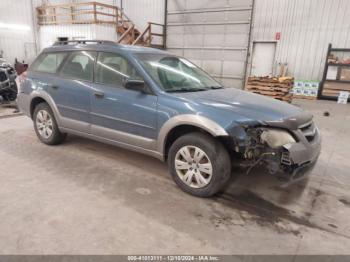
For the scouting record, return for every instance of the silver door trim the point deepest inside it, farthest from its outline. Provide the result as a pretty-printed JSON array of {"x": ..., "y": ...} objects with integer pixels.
[
  {"x": 123, "y": 137},
  {"x": 122, "y": 120},
  {"x": 121, "y": 144},
  {"x": 72, "y": 108}
]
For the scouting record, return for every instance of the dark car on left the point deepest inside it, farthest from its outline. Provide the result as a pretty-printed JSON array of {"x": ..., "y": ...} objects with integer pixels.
[{"x": 8, "y": 86}]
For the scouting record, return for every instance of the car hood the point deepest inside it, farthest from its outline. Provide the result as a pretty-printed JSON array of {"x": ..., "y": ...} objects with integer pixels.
[{"x": 254, "y": 107}]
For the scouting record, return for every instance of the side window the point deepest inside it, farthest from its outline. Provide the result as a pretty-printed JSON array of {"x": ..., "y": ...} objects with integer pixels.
[
  {"x": 80, "y": 65},
  {"x": 113, "y": 69},
  {"x": 48, "y": 62}
]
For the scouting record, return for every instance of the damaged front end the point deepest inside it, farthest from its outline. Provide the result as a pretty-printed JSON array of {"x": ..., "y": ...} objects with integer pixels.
[
  {"x": 289, "y": 153},
  {"x": 8, "y": 86}
]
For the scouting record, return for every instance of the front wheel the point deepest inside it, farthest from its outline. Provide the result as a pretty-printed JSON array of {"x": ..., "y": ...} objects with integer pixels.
[{"x": 199, "y": 164}]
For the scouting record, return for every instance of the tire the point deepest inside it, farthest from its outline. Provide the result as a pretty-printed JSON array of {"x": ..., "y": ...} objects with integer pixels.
[
  {"x": 41, "y": 117},
  {"x": 12, "y": 96},
  {"x": 185, "y": 173}
]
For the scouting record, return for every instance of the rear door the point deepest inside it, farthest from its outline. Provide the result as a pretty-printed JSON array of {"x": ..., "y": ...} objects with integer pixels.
[
  {"x": 72, "y": 90},
  {"x": 120, "y": 114},
  {"x": 42, "y": 75}
]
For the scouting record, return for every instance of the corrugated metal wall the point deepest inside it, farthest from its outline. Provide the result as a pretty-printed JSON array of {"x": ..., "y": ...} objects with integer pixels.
[
  {"x": 213, "y": 35},
  {"x": 143, "y": 11},
  {"x": 48, "y": 34},
  {"x": 307, "y": 27},
  {"x": 21, "y": 40},
  {"x": 17, "y": 38},
  {"x": 24, "y": 43}
]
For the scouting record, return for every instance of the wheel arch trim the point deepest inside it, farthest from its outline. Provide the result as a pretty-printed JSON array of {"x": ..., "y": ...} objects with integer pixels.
[
  {"x": 202, "y": 122},
  {"x": 48, "y": 99}
]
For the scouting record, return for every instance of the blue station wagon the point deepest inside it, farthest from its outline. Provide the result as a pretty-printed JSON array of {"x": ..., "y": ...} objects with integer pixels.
[{"x": 163, "y": 105}]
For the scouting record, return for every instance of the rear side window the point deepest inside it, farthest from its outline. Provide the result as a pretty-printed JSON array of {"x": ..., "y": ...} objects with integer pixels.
[
  {"x": 113, "y": 69},
  {"x": 80, "y": 65},
  {"x": 48, "y": 62}
]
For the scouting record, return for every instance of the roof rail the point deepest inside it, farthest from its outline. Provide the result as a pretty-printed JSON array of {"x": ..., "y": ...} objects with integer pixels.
[{"x": 102, "y": 42}]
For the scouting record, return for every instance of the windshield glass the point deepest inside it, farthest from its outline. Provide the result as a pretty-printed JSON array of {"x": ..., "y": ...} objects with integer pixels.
[{"x": 176, "y": 74}]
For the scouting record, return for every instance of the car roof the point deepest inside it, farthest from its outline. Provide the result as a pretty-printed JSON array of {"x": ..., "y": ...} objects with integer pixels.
[{"x": 106, "y": 46}]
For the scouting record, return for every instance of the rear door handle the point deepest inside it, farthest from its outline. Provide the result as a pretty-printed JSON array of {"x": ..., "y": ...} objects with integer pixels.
[
  {"x": 54, "y": 87},
  {"x": 99, "y": 94}
]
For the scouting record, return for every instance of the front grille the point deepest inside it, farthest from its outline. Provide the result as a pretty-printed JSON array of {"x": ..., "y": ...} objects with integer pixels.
[
  {"x": 309, "y": 131},
  {"x": 3, "y": 76},
  {"x": 285, "y": 159}
]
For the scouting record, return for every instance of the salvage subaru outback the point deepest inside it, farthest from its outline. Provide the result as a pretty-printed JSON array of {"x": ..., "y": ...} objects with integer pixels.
[{"x": 159, "y": 104}]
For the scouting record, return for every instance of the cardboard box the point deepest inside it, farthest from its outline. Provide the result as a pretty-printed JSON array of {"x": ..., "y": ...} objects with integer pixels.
[
  {"x": 345, "y": 74},
  {"x": 306, "y": 88},
  {"x": 343, "y": 97},
  {"x": 332, "y": 73}
]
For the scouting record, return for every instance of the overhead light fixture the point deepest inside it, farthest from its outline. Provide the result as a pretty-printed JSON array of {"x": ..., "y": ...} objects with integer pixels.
[{"x": 14, "y": 27}]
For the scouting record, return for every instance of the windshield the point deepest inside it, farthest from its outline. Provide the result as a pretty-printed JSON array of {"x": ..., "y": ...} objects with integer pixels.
[{"x": 176, "y": 74}]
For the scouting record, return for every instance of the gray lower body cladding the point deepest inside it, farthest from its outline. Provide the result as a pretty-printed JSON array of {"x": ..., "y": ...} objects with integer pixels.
[{"x": 304, "y": 154}]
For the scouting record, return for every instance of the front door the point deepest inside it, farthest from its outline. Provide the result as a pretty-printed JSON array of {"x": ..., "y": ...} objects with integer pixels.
[
  {"x": 263, "y": 58},
  {"x": 118, "y": 114}
]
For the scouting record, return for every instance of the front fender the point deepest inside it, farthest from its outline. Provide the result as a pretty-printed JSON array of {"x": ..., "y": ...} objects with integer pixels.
[{"x": 204, "y": 123}]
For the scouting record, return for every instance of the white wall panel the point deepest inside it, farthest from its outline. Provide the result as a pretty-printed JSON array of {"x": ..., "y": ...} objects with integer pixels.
[
  {"x": 307, "y": 27},
  {"x": 105, "y": 32},
  {"x": 50, "y": 33},
  {"x": 143, "y": 11},
  {"x": 24, "y": 44},
  {"x": 21, "y": 44},
  {"x": 16, "y": 30}
]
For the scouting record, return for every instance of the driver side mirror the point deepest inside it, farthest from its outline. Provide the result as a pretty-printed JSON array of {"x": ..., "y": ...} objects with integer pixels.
[{"x": 136, "y": 85}]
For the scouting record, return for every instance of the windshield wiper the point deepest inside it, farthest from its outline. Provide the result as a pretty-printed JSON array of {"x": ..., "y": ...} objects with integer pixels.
[{"x": 186, "y": 90}]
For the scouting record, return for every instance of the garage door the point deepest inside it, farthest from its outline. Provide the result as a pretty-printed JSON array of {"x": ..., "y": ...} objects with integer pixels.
[{"x": 212, "y": 34}]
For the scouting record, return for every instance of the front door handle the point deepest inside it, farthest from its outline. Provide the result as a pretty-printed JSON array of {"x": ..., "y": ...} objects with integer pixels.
[
  {"x": 54, "y": 87},
  {"x": 99, "y": 94}
]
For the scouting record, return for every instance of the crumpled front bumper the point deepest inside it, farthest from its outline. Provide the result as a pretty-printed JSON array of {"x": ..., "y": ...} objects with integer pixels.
[
  {"x": 304, "y": 151},
  {"x": 303, "y": 155}
]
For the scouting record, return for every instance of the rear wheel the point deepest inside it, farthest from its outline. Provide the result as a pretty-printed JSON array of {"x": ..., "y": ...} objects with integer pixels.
[
  {"x": 45, "y": 125},
  {"x": 199, "y": 164}
]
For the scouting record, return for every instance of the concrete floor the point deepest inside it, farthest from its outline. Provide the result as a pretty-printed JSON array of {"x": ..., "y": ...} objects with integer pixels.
[
  {"x": 8, "y": 110},
  {"x": 85, "y": 197}
]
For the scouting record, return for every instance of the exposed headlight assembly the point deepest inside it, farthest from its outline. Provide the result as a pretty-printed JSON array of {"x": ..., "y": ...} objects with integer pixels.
[{"x": 276, "y": 138}]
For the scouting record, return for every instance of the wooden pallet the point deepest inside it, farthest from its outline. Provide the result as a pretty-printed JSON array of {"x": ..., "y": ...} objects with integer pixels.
[
  {"x": 264, "y": 84},
  {"x": 266, "y": 88},
  {"x": 278, "y": 88},
  {"x": 304, "y": 97},
  {"x": 266, "y": 79},
  {"x": 269, "y": 93}
]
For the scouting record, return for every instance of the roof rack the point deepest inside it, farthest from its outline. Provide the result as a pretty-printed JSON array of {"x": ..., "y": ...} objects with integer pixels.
[{"x": 101, "y": 42}]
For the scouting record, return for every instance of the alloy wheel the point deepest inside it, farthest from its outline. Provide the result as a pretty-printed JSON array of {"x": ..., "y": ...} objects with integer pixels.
[
  {"x": 193, "y": 166},
  {"x": 44, "y": 124}
]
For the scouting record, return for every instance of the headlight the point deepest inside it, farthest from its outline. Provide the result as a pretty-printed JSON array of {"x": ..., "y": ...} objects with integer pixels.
[{"x": 276, "y": 138}]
